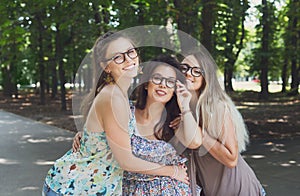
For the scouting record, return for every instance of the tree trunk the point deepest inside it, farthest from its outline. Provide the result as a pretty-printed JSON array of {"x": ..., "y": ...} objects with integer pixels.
[
  {"x": 284, "y": 74},
  {"x": 294, "y": 69},
  {"x": 228, "y": 74},
  {"x": 9, "y": 88},
  {"x": 54, "y": 82},
  {"x": 186, "y": 24},
  {"x": 207, "y": 24},
  {"x": 41, "y": 59},
  {"x": 58, "y": 55},
  {"x": 265, "y": 49}
]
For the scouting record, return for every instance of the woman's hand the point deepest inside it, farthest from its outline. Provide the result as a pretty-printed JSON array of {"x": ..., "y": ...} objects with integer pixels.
[
  {"x": 180, "y": 173},
  {"x": 76, "y": 142},
  {"x": 174, "y": 124},
  {"x": 183, "y": 96}
]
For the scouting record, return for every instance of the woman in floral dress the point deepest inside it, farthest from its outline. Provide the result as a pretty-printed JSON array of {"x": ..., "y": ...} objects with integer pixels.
[
  {"x": 156, "y": 94},
  {"x": 97, "y": 168}
]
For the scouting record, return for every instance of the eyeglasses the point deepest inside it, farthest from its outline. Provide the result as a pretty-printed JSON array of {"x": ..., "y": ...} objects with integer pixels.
[
  {"x": 158, "y": 79},
  {"x": 119, "y": 58},
  {"x": 195, "y": 71}
]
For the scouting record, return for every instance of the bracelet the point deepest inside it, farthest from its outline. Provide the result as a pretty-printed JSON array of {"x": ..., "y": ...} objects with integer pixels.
[
  {"x": 175, "y": 172},
  {"x": 184, "y": 112}
]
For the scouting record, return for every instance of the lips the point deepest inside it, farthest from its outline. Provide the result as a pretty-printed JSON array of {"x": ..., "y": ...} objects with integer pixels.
[
  {"x": 129, "y": 67},
  {"x": 160, "y": 92}
]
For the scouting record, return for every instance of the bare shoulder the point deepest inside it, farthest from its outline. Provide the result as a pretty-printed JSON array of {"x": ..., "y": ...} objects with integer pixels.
[{"x": 110, "y": 97}]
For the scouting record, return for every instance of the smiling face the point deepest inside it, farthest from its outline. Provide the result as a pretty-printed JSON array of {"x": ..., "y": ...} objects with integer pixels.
[
  {"x": 161, "y": 92},
  {"x": 193, "y": 83},
  {"x": 116, "y": 50}
]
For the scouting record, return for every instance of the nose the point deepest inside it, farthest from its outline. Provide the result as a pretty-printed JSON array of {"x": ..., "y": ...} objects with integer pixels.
[
  {"x": 163, "y": 83},
  {"x": 188, "y": 73}
]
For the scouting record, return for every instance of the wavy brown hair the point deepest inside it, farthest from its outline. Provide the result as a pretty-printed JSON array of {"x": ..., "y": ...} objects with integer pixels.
[{"x": 162, "y": 130}]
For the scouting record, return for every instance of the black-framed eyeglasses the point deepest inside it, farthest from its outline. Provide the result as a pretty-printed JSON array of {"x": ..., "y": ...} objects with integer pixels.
[
  {"x": 158, "y": 79},
  {"x": 195, "y": 71},
  {"x": 119, "y": 58}
]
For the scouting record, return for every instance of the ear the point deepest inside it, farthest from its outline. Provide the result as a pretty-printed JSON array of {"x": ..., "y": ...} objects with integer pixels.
[{"x": 107, "y": 70}]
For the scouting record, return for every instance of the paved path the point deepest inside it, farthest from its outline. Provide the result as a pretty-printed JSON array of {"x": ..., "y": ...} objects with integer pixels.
[{"x": 28, "y": 148}]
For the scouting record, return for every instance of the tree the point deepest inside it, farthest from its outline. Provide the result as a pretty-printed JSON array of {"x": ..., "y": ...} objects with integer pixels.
[
  {"x": 230, "y": 35},
  {"x": 295, "y": 33}
]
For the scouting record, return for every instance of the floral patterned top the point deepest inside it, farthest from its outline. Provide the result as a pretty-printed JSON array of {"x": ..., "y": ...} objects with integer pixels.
[
  {"x": 91, "y": 171},
  {"x": 156, "y": 151}
]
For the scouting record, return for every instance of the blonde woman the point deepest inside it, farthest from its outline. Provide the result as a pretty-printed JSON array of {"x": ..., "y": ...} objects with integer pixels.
[
  {"x": 217, "y": 165},
  {"x": 97, "y": 168}
]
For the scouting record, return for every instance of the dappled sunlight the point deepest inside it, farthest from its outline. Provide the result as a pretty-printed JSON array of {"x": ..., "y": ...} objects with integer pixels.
[
  {"x": 289, "y": 163},
  {"x": 61, "y": 139},
  {"x": 4, "y": 161},
  {"x": 38, "y": 140},
  {"x": 257, "y": 156},
  {"x": 26, "y": 136},
  {"x": 275, "y": 147},
  {"x": 30, "y": 188},
  {"x": 44, "y": 162},
  {"x": 277, "y": 120},
  {"x": 29, "y": 139},
  {"x": 26, "y": 104}
]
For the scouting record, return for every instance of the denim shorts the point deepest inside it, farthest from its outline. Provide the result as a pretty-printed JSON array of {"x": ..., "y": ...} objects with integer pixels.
[{"x": 47, "y": 191}]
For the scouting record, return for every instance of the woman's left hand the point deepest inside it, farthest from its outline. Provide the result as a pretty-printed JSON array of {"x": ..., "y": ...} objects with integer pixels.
[
  {"x": 76, "y": 142},
  {"x": 183, "y": 96},
  {"x": 174, "y": 124}
]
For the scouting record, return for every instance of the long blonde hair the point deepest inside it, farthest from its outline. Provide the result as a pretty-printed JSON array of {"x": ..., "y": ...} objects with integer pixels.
[
  {"x": 214, "y": 106},
  {"x": 99, "y": 51}
]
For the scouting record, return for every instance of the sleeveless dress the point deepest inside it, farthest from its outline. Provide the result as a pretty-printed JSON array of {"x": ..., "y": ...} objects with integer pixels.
[
  {"x": 91, "y": 171},
  {"x": 156, "y": 151},
  {"x": 217, "y": 180}
]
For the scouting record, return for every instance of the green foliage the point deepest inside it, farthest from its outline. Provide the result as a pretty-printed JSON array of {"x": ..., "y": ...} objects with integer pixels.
[{"x": 50, "y": 32}]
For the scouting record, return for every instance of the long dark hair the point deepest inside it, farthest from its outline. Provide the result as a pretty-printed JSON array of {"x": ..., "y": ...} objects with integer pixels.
[{"x": 162, "y": 131}]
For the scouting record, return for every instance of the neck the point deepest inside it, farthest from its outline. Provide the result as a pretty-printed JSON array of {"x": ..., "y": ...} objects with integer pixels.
[
  {"x": 153, "y": 110},
  {"x": 148, "y": 118},
  {"x": 124, "y": 84}
]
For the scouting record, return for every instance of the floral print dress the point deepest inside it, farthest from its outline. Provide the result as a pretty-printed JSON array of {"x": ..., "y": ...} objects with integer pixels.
[
  {"x": 91, "y": 171},
  {"x": 156, "y": 151}
]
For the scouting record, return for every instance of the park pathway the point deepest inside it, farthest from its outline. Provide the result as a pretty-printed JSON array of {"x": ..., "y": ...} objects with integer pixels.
[{"x": 28, "y": 149}]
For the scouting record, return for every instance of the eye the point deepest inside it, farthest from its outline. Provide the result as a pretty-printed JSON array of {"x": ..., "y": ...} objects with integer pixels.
[
  {"x": 118, "y": 57},
  {"x": 156, "y": 79},
  {"x": 197, "y": 71},
  {"x": 184, "y": 68},
  {"x": 171, "y": 82}
]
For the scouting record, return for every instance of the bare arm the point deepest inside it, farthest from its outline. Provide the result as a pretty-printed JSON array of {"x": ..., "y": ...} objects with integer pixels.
[
  {"x": 189, "y": 133},
  {"x": 113, "y": 111},
  {"x": 225, "y": 152}
]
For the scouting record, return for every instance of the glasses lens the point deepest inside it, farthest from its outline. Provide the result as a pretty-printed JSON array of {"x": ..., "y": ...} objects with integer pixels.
[
  {"x": 156, "y": 79},
  {"x": 184, "y": 68},
  {"x": 132, "y": 53},
  {"x": 196, "y": 71},
  {"x": 119, "y": 58},
  {"x": 170, "y": 83}
]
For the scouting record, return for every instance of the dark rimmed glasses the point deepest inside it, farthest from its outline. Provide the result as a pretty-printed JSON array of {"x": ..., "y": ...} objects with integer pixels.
[
  {"x": 158, "y": 79},
  {"x": 195, "y": 71},
  {"x": 119, "y": 58}
]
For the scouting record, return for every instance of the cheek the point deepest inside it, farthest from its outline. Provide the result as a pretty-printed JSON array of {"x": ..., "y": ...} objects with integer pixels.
[
  {"x": 198, "y": 83},
  {"x": 170, "y": 93}
]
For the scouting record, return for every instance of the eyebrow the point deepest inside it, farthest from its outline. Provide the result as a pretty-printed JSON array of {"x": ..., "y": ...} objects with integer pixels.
[
  {"x": 163, "y": 76},
  {"x": 113, "y": 54}
]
